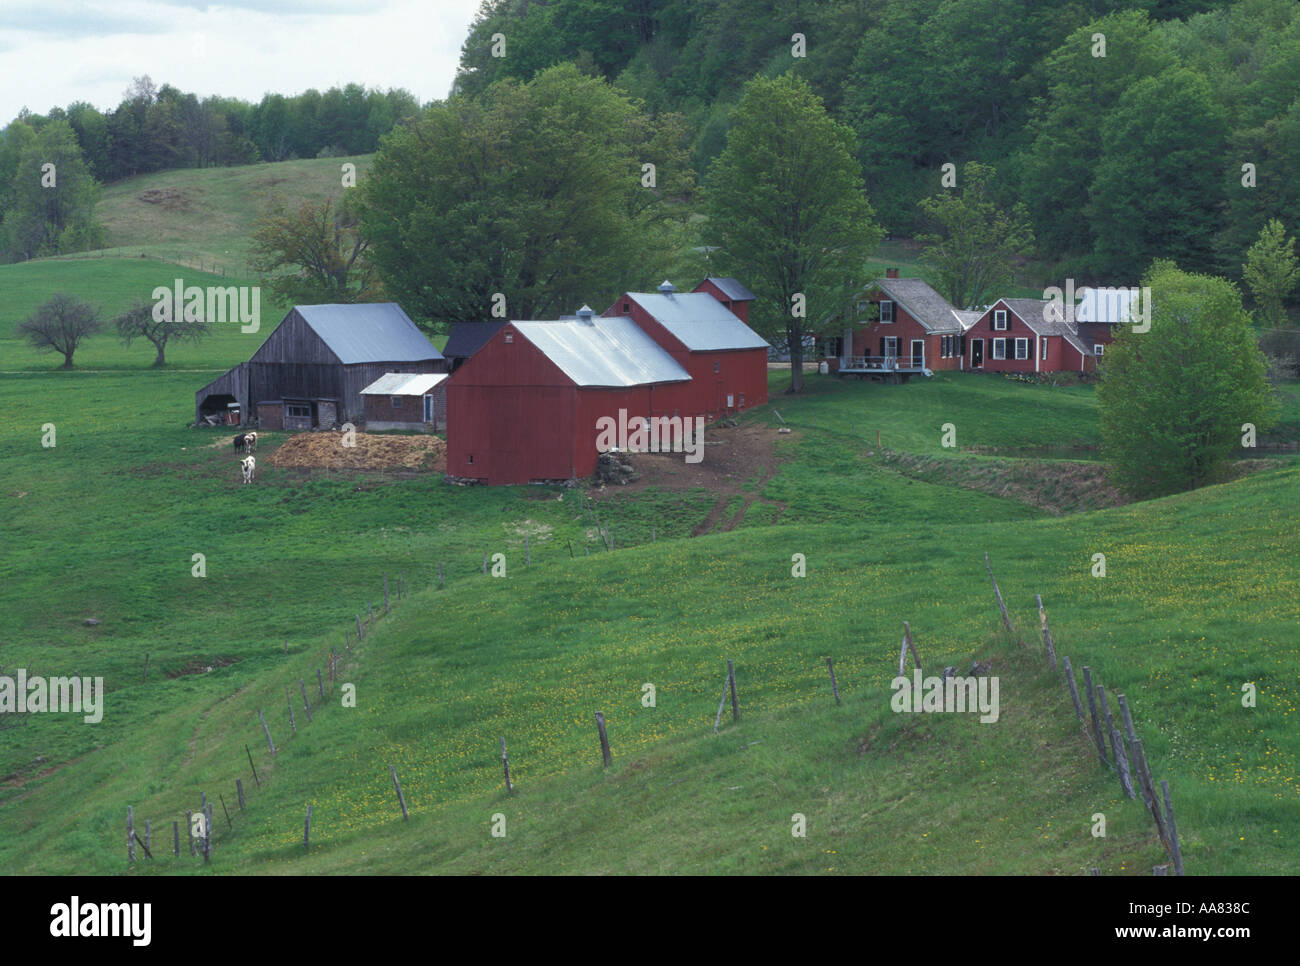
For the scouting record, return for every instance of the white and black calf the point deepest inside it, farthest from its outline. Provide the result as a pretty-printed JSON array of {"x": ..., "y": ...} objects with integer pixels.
[{"x": 246, "y": 466}]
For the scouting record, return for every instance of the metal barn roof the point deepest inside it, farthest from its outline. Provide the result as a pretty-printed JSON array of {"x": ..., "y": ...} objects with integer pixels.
[
  {"x": 732, "y": 289},
  {"x": 404, "y": 384},
  {"x": 599, "y": 351},
  {"x": 369, "y": 332},
  {"x": 698, "y": 320}
]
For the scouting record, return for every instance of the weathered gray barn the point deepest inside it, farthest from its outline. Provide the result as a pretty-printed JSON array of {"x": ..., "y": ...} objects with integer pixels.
[{"x": 310, "y": 371}]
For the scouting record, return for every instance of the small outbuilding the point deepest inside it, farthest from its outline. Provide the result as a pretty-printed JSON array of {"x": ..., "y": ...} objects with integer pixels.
[
  {"x": 310, "y": 371},
  {"x": 402, "y": 400}
]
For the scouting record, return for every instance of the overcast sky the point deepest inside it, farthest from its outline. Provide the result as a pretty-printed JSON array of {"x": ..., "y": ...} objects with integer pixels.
[{"x": 54, "y": 52}]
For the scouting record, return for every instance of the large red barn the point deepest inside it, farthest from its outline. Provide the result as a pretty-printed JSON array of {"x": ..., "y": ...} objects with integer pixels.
[
  {"x": 701, "y": 330},
  {"x": 524, "y": 407}
]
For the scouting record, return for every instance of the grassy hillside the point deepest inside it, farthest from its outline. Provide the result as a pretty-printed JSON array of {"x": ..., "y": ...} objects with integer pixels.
[
  {"x": 204, "y": 216},
  {"x": 1200, "y": 597}
]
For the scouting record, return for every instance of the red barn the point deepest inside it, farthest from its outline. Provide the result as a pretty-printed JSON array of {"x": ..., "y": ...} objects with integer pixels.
[
  {"x": 524, "y": 407},
  {"x": 898, "y": 325},
  {"x": 725, "y": 358},
  {"x": 730, "y": 293},
  {"x": 1025, "y": 335}
]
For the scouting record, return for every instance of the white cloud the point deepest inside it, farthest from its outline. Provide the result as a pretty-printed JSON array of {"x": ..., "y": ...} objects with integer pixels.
[{"x": 63, "y": 51}]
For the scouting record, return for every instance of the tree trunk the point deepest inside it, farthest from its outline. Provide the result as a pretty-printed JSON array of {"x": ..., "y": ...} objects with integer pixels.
[
  {"x": 795, "y": 339},
  {"x": 159, "y": 362},
  {"x": 67, "y": 360}
]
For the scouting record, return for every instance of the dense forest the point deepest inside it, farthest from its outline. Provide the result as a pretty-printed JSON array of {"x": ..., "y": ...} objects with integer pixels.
[{"x": 1122, "y": 125}]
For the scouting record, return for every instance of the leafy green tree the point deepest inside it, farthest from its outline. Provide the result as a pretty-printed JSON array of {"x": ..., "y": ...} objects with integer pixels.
[
  {"x": 53, "y": 209},
  {"x": 787, "y": 211},
  {"x": 534, "y": 191},
  {"x": 1173, "y": 400},
  {"x": 315, "y": 255},
  {"x": 1069, "y": 125},
  {"x": 1159, "y": 186},
  {"x": 975, "y": 239},
  {"x": 1272, "y": 271},
  {"x": 60, "y": 325},
  {"x": 139, "y": 322}
]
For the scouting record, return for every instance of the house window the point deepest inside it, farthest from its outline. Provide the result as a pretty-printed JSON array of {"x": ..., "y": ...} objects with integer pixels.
[
  {"x": 1098, "y": 349},
  {"x": 886, "y": 311},
  {"x": 627, "y": 308},
  {"x": 999, "y": 348},
  {"x": 299, "y": 411},
  {"x": 471, "y": 459},
  {"x": 1022, "y": 348},
  {"x": 1044, "y": 345},
  {"x": 861, "y": 307},
  {"x": 715, "y": 367},
  {"x": 742, "y": 400},
  {"x": 889, "y": 345},
  {"x": 832, "y": 346},
  {"x": 510, "y": 337},
  {"x": 396, "y": 401},
  {"x": 1000, "y": 320}
]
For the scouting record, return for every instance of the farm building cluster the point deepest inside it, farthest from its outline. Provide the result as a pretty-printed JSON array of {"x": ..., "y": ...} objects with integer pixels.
[
  {"x": 520, "y": 401},
  {"x": 900, "y": 327}
]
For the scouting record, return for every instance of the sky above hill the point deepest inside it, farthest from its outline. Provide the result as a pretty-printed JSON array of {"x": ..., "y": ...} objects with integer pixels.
[{"x": 60, "y": 51}]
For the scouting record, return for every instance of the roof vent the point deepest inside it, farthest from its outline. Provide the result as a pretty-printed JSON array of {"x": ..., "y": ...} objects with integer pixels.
[
  {"x": 585, "y": 313},
  {"x": 667, "y": 287}
]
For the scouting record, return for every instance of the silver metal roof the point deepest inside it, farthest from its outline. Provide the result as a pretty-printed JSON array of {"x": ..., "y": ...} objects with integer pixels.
[
  {"x": 603, "y": 351},
  {"x": 698, "y": 320},
  {"x": 369, "y": 332},
  {"x": 732, "y": 289},
  {"x": 404, "y": 384},
  {"x": 1104, "y": 304}
]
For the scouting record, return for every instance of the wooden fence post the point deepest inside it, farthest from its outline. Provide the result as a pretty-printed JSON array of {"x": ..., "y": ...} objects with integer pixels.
[
  {"x": 306, "y": 831},
  {"x": 1116, "y": 745},
  {"x": 1092, "y": 710},
  {"x": 1136, "y": 756},
  {"x": 189, "y": 826},
  {"x": 997, "y": 593},
  {"x": 359, "y": 634},
  {"x": 176, "y": 840},
  {"x": 252, "y": 766},
  {"x": 1173, "y": 829},
  {"x": 269, "y": 743},
  {"x": 505, "y": 763},
  {"x": 302, "y": 686},
  {"x": 722, "y": 703},
  {"x": 401, "y": 799},
  {"x": 835, "y": 688},
  {"x": 731, "y": 682},
  {"x": 1149, "y": 790},
  {"x": 604, "y": 738},
  {"x": 130, "y": 834},
  {"x": 226, "y": 810},
  {"x": 148, "y": 837},
  {"x": 1074, "y": 692},
  {"x": 320, "y": 685},
  {"x": 1047, "y": 633},
  {"x": 293, "y": 726},
  {"x": 239, "y": 791},
  {"x": 385, "y": 592}
]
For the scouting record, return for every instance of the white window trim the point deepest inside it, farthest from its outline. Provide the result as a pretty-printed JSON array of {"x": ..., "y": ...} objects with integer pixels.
[
  {"x": 1002, "y": 343},
  {"x": 972, "y": 343},
  {"x": 1022, "y": 342},
  {"x": 1098, "y": 349},
  {"x": 1043, "y": 354},
  {"x": 911, "y": 356},
  {"x": 883, "y": 320},
  {"x": 999, "y": 316}
]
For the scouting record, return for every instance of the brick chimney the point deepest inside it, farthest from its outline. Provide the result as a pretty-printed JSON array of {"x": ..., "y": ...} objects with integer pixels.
[{"x": 891, "y": 273}]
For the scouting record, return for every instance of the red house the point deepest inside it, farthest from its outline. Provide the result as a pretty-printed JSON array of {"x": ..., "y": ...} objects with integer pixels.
[
  {"x": 897, "y": 327},
  {"x": 1025, "y": 335},
  {"x": 702, "y": 331},
  {"x": 524, "y": 407}
]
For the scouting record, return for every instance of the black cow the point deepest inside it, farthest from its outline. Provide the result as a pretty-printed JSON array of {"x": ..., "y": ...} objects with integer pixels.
[{"x": 239, "y": 443}]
